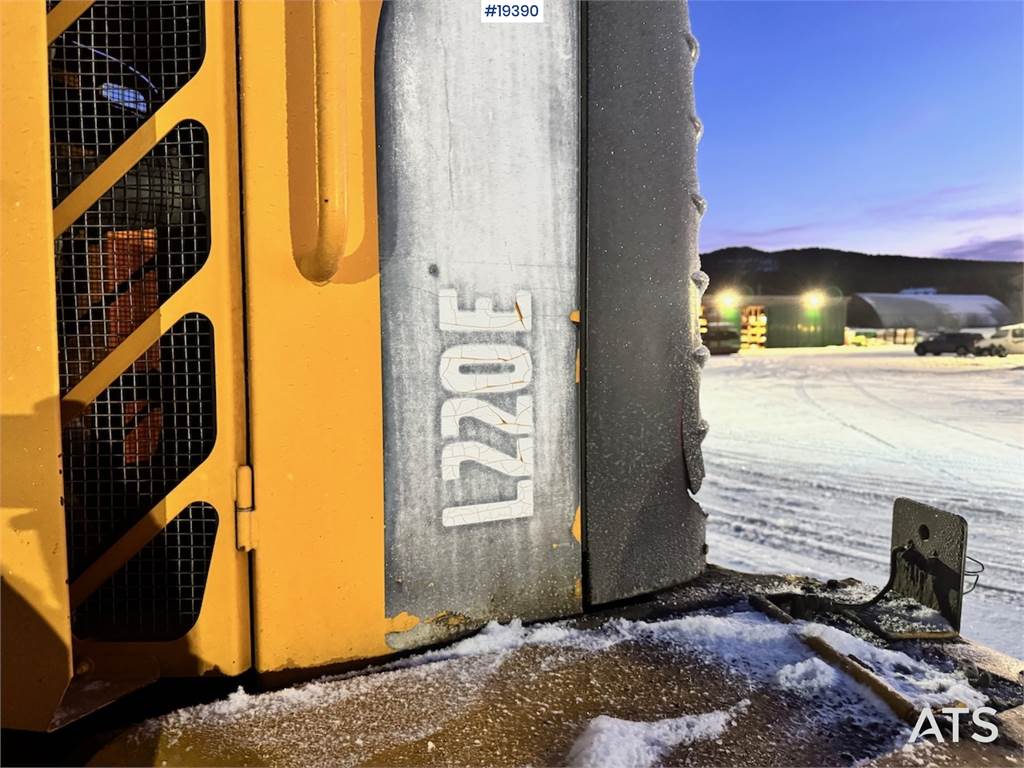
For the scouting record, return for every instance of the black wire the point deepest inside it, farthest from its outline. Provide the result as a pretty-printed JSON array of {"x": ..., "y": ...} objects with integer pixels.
[{"x": 976, "y": 573}]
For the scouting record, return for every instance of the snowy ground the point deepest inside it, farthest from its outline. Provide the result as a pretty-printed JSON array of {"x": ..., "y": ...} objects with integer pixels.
[
  {"x": 808, "y": 449},
  {"x": 727, "y": 687}
]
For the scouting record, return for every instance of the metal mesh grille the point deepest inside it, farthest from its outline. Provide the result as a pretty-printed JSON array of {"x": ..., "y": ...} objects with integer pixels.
[
  {"x": 114, "y": 66},
  {"x": 139, "y": 439},
  {"x": 158, "y": 593},
  {"x": 132, "y": 249}
]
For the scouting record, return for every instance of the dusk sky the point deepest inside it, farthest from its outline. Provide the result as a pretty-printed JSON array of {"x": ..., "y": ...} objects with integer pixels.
[{"x": 883, "y": 127}]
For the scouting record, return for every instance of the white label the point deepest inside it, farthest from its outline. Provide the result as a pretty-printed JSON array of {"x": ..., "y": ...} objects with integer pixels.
[
  {"x": 483, "y": 317},
  {"x": 454, "y": 455}
]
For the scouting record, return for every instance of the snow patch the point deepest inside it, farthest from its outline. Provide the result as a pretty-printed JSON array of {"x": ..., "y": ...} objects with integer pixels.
[
  {"x": 608, "y": 742},
  {"x": 234, "y": 704},
  {"x": 748, "y": 642},
  {"x": 920, "y": 682},
  {"x": 809, "y": 676},
  {"x": 498, "y": 638},
  {"x": 493, "y": 638},
  {"x": 767, "y": 652}
]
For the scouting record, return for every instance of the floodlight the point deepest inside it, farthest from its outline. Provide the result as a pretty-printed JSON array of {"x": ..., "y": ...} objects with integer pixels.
[
  {"x": 727, "y": 299},
  {"x": 813, "y": 300}
]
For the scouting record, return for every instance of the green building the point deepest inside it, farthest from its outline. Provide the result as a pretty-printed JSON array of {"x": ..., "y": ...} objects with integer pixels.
[{"x": 813, "y": 319}]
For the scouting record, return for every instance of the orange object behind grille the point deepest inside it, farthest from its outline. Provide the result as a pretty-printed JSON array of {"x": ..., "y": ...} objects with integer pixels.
[{"x": 125, "y": 257}]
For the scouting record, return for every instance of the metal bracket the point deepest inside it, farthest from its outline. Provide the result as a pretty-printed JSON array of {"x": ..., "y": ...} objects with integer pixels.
[
  {"x": 932, "y": 559},
  {"x": 927, "y": 563}
]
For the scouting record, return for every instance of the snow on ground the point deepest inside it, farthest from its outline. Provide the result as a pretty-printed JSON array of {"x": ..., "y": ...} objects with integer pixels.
[
  {"x": 765, "y": 652},
  {"x": 353, "y": 719},
  {"x": 609, "y": 742},
  {"x": 808, "y": 449}
]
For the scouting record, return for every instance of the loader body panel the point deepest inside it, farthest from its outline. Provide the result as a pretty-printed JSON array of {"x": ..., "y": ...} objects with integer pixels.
[
  {"x": 642, "y": 423},
  {"x": 478, "y": 166},
  {"x": 314, "y": 349},
  {"x": 139, "y": 272}
]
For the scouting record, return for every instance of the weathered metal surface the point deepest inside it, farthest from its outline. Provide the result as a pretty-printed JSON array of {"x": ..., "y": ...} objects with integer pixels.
[
  {"x": 642, "y": 353},
  {"x": 931, "y": 569},
  {"x": 478, "y": 196}
]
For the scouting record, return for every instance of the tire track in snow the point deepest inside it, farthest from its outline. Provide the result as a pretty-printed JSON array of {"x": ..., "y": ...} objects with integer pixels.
[
  {"x": 802, "y": 388},
  {"x": 798, "y": 482},
  {"x": 785, "y": 516},
  {"x": 938, "y": 422},
  {"x": 902, "y": 452}
]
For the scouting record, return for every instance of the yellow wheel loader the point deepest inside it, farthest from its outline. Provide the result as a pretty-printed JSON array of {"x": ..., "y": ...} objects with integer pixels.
[{"x": 336, "y": 330}]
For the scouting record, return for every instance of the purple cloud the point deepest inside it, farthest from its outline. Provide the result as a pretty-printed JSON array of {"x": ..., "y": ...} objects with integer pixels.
[
  {"x": 980, "y": 249},
  {"x": 946, "y": 204},
  {"x": 747, "y": 235},
  {"x": 922, "y": 205},
  {"x": 981, "y": 212}
]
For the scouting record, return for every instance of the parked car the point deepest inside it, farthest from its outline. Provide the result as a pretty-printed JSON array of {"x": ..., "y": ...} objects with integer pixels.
[
  {"x": 722, "y": 339},
  {"x": 940, "y": 343},
  {"x": 1007, "y": 340}
]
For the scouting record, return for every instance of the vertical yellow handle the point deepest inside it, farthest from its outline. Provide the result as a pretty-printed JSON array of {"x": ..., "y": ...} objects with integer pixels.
[{"x": 321, "y": 262}]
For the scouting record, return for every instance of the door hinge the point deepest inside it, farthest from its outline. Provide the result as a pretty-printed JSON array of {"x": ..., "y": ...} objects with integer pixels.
[{"x": 245, "y": 511}]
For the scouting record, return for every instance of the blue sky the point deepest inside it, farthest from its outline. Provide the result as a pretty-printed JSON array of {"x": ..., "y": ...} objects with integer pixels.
[{"x": 884, "y": 127}]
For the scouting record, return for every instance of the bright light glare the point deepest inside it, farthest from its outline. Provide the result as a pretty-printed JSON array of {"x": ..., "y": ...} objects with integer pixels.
[
  {"x": 727, "y": 299},
  {"x": 813, "y": 300}
]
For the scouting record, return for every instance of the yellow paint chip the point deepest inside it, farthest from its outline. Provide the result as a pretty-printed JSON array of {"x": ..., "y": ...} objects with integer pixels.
[
  {"x": 577, "y": 526},
  {"x": 403, "y": 622}
]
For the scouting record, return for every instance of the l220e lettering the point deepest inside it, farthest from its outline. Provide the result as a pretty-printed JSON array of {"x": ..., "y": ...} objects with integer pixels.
[{"x": 473, "y": 373}]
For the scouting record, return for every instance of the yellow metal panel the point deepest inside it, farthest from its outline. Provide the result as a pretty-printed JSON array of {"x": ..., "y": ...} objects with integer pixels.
[
  {"x": 35, "y": 623},
  {"x": 315, "y": 353},
  {"x": 63, "y": 16},
  {"x": 220, "y": 640}
]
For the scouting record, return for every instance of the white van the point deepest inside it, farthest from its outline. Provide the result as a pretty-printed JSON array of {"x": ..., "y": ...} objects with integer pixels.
[{"x": 1008, "y": 340}]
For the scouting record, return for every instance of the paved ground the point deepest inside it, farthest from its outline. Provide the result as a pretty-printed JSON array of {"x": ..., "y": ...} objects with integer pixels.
[
  {"x": 662, "y": 682},
  {"x": 808, "y": 449}
]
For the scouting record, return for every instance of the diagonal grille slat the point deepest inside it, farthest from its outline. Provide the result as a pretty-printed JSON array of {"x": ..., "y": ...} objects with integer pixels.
[
  {"x": 157, "y": 594},
  {"x": 140, "y": 438},
  {"x": 132, "y": 249},
  {"x": 109, "y": 71}
]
